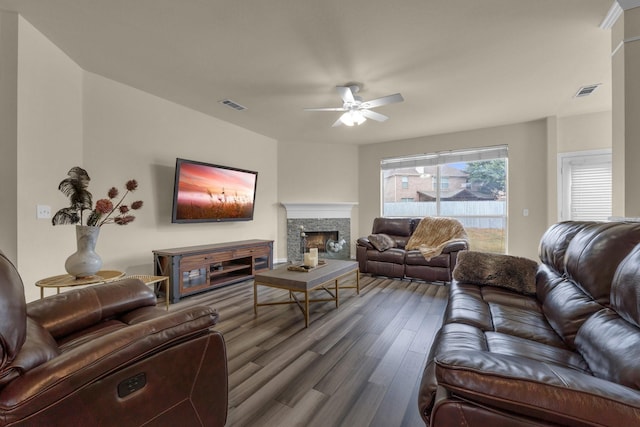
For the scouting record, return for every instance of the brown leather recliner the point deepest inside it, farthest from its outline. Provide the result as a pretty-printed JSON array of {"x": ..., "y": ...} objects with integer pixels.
[{"x": 106, "y": 356}]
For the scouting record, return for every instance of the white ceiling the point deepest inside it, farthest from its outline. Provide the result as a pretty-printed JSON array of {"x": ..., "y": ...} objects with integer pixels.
[{"x": 460, "y": 64}]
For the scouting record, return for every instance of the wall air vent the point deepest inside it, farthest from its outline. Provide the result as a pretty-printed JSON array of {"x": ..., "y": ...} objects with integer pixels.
[
  {"x": 587, "y": 90},
  {"x": 229, "y": 103}
]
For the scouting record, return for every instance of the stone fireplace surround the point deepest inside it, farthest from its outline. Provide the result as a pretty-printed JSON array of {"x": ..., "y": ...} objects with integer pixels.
[{"x": 316, "y": 217}]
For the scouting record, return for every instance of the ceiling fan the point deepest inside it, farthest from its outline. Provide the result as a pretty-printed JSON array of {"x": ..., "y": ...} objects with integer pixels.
[{"x": 356, "y": 110}]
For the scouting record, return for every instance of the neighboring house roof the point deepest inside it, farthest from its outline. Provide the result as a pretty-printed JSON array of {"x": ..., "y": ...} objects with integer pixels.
[{"x": 460, "y": 195}]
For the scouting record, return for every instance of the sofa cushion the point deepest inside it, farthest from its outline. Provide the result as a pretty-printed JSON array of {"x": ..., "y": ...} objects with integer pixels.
[
  {"x": 609, "y": 340},
  {"x": 382, "y": 241},
  {"x": 65, "y": 313},
  {"x": 625, "y": 290},
  {"x": 415, "y": 257},
  {"x": 38, "y": 348},
  {"x": 610, "y": 346},
  {"x": 392, "y": 226},
  {"x": 554, "y": 242},
  {"x": 515, "y": 346},
  {"x": 495, "y": 309},
  {"x": 567, "y": 307},
  {"x": 569, "y": 299},
  {"x": 506, "y": 271},
  {"x": 393, "y": 255},
  {"x": 590, "y": 247}
]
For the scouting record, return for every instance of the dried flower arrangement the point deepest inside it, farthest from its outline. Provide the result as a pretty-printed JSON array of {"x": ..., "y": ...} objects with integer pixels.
[{"x": 105, "y": 212}]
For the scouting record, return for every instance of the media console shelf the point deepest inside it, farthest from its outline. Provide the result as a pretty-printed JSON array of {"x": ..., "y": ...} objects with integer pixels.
[{"x": 197, "y": 269}]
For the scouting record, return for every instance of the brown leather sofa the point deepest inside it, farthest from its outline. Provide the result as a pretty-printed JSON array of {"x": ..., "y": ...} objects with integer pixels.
[
  {"x": 568, "y": 355},
  {"x": 106, "y": 356},
  {"x": 400, "y": 263}
]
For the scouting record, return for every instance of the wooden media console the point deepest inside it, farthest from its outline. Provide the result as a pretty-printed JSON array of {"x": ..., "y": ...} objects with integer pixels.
[{"x": 196, "y": 269}]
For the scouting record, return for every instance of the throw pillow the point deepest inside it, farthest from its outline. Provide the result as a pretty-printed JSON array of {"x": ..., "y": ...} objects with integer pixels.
[
  {"x": 506, "y": 271},
  {"x": 382, "y": 242}
]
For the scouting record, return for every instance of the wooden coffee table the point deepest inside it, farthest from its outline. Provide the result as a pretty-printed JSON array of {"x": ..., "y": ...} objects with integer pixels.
[{"x": 306, "y": 281}]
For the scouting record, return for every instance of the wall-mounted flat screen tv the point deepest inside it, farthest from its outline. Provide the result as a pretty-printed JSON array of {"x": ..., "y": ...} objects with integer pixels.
[{"x": 204, "y": 192}]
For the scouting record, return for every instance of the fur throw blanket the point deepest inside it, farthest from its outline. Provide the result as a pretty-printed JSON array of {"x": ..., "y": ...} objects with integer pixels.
[
  {"x": 434, "y": 233},
  {"x": 505, "y": 271}
]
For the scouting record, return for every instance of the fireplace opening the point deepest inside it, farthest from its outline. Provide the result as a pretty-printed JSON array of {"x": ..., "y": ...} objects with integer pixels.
[
  {"x": 334, "y": 245},
  {"x": 319, "y": 239}
]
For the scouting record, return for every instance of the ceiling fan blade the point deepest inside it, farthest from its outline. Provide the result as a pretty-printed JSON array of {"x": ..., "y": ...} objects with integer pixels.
[
  {"x": 389, "y": 99},
  {"x": 325, "y": 109},
  {"x": 345, "y": 93},
  {"x": 373, "y": 115}
]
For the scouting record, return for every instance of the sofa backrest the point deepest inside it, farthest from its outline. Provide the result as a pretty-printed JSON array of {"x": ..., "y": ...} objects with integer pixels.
[
  {"x": 555, "y": 241},
  {"x": 13, "y": 314},
  {"x": 594, "y": 254},
  {"x": 609, "y": 340},
  {"x": 579, "y": 261},
  {"x": 400, "y": 229}
]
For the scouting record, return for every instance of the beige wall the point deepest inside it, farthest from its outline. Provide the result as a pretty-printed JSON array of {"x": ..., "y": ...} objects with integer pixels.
[
  {"x": 49, "y": 142},
  {"x": 131, "y": 134},
  {"x": 585, "y": 132},
  {"x": 527, "y": 144},
  {"x": 316, "y": 173},
  {"x": 70, "y": 117},
  {"x": 8, "y": 134}
]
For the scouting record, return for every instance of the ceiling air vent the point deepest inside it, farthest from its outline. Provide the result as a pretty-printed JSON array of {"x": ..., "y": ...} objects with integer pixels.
[
  {"x": 587, "y": 90},
  {"x": 229, "y": 103}
]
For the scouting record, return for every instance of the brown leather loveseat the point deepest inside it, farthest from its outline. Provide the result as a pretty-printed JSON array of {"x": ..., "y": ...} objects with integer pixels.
[
  {"x": 395, "y": 261},
  {"x": 106, "y": 356},
  {"x": 565, "y": 352}
]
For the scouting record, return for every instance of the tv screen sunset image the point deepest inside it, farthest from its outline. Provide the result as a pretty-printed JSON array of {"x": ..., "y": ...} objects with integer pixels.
[{"x": 208, "y": 192}]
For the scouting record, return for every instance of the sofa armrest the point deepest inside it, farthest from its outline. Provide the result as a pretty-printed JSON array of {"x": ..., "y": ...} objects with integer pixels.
[
  {"x": 455, "y": 246},
  {"x": 364, "y": 242},
  {"x": 541, "y": 390},
  {"x": 92, "y": 361},
  {"x": 71, "y": 311}
]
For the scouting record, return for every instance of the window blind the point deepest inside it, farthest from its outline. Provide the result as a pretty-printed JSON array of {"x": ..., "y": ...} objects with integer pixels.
[
  {"x": 590, "y": 191},
  {"x": 434, "y": 159}
]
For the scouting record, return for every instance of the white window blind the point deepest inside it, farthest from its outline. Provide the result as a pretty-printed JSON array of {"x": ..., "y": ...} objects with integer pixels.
[
  {"x": 587, "y": 182},
  {"x": 434, "y": 159}
]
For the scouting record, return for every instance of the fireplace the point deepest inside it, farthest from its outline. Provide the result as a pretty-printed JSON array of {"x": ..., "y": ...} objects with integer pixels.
[
  {"x": 329, "y": 235},
  {"x": 327, "y": 226}
]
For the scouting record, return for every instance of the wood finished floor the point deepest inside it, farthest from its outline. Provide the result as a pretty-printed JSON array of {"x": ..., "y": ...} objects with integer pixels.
[{"x": 359, "y": 365}]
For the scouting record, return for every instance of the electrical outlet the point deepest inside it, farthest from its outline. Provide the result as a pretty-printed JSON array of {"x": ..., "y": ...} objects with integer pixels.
[{"x": 43, "y": 211}]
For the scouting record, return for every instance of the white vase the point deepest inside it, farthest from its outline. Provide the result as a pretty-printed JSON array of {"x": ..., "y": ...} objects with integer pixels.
[{"x": 85, "y": 261}]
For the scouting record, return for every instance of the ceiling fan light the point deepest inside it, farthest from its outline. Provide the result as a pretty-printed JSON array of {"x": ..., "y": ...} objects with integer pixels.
[
  {"x": 353, "y": 117},
  {"x": 358, "y": 118},
  {"x": 346, "y": 119}
]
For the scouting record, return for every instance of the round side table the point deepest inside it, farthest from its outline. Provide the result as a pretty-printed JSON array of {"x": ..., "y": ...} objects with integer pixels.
[{"x": 66, "y": 280}]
